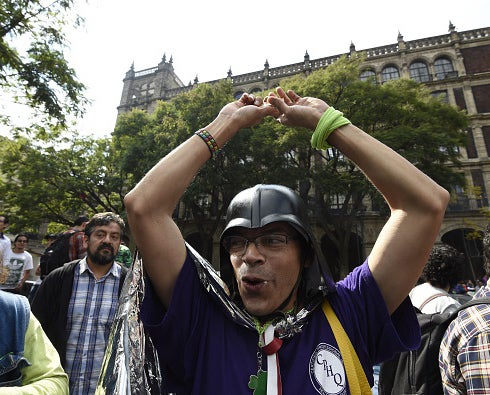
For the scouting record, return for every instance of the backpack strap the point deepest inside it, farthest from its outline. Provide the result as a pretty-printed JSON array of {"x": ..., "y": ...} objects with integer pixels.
[
  {"x": 356, "y": 377},
  {"x": 435, "y": 296}
]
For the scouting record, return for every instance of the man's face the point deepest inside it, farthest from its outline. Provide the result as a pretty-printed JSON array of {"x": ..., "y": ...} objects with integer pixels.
[
  {"x": 266, "y": 276},
  {"x": 103, "y": 244}
]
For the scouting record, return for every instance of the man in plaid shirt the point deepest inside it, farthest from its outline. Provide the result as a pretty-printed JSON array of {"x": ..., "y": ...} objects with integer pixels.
[
  {"x": 77, "y": 302},
  {"x": 464, "y": 356}
]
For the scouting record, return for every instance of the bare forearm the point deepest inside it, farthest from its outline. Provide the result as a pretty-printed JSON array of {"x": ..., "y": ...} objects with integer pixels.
[
  {"x": 151, "y": 203},
  {"x": 417, "y": 206},
  {"x": 177, "y": 170}
]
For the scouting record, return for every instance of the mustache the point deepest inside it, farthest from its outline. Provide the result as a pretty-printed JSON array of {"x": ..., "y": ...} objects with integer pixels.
[{"x": 105, "y": 245}]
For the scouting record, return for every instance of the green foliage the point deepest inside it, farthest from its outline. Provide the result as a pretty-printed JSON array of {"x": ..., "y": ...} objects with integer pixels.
[
  {"x": 33, "y": 68},
  {"x": 59, "y": 182},
  {"x": 401, "y": 114},
  {"x": 55, "y": 179}
]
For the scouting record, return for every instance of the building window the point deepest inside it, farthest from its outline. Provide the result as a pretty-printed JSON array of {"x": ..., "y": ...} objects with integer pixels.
[
  {"x": 419, "y": 72},
  {"x": 368, "y": 75},
  {"x": 481, "y": 93},
  {"x": 486, "y": 137},
  {"x": 459, "y": 199},
  {"x": 441, "y": 95},
  {"x": 390, "y": 73},
  {"x": 336, "y": 201},
  {"x": 477, "y": 177},
  {"x": 470, "y": 145},
  {"x": 443, "y": 69},
  {"x": 459, "y": 98}
]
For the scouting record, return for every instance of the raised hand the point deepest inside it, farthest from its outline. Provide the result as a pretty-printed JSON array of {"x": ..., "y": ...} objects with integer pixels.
[
  {"x": 296, "y": 110},
  {"x": 248, "y": 111}
]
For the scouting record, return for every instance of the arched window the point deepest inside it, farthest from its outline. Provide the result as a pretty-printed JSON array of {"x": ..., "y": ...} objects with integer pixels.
[
  {"x": 368, "y": 75},
  {"x": 390, "y": 73},
  {"x": 419, "y": 72},
  {"x": 443, "y": 68}
]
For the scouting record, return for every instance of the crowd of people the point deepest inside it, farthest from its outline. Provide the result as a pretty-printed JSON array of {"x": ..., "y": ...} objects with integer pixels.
[
  {"x": 273, "y": 319},
  {"x": 59, "y": 346}
]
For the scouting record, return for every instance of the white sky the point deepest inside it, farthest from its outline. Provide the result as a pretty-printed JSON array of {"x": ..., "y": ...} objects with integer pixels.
[{"x": 208, "y": 37}]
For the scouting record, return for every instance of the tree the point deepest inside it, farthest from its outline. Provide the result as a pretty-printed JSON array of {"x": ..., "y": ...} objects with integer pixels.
[
  {"x": 143, "y": 139},
  {"x": 50, "y": 184},
  {"x": 33, "y": 69},
  {"x": 402, "y": 114}
]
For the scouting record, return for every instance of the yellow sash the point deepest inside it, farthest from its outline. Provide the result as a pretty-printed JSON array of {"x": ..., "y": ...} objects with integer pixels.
[{"x": 358, "y": 383}]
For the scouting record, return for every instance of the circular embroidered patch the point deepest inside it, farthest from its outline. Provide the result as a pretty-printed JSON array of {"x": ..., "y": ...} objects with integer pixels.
[{"x": 327, "y": 372}]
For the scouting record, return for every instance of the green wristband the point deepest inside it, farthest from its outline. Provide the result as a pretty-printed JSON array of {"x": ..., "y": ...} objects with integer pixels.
[{"x": 331, "y": 120}]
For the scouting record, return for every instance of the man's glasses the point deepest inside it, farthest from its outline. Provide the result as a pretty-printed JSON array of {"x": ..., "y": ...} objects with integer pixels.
[{"x": 237, "y": 245}]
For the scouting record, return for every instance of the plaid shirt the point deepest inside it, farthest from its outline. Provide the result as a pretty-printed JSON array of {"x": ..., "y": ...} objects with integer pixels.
[
  {"x": 464, "y": 357},
  {"x": 91, "y": 310}
]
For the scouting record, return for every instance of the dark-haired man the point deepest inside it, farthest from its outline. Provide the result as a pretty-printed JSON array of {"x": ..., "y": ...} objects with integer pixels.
[
  {"x": 265, "y": 330},
  {"x": 441, "y": 272},
  {"x": 76, "y": 303}
]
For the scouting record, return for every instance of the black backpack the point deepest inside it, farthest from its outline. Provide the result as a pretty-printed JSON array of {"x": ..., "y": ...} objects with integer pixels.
[
  {"x": 57, "y": 255},
  {"x": 417, "y": 371}
]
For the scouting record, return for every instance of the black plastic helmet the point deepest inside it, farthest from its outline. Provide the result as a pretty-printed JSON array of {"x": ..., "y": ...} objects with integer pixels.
[{"x": 262, "y": 205}]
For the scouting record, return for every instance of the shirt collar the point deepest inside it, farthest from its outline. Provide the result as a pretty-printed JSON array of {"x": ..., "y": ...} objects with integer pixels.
[{"x": 115, "y": 269}]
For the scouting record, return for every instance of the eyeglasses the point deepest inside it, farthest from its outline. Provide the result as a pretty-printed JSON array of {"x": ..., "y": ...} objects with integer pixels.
[
  {"x": 237, "y": 245},
  {"x": 22, "y": 241}
]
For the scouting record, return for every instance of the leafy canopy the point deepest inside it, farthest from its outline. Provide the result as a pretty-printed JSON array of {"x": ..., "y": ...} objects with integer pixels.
[{"x": 33, "y": 68}]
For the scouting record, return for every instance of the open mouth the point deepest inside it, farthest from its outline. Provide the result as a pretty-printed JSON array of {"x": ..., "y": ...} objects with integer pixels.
[{"x": 253, "y": 284}]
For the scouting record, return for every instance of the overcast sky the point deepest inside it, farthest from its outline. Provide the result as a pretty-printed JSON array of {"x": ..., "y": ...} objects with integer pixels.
[{"x": 206, "y": 38}]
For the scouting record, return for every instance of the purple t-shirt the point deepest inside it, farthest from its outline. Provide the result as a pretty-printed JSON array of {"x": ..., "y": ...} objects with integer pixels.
[{"x": 202, "y": 351}]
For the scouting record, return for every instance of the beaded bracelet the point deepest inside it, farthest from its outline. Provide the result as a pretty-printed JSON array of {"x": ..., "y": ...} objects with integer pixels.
[
  {"x": 331, "y": 120},
  {"x": 209, "y": 140}
]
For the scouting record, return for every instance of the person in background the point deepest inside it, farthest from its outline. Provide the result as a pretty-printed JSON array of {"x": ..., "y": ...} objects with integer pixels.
[
  {"x": 29, "y": 364},
  {"x": 77, "y": 247},
  {"x": 465, "y": 347},
  {"x": 5, "y": 243},
  {"x": 19, "y": 265},
  {"x": 261, "y": 325},
  {"x": 441, "y": 272},
  {"x": 41, "y": 270},
  {"x": 124, "y": 256},
  {"x": 67, "y": 247},
  {"x": 77, "y": 302}
]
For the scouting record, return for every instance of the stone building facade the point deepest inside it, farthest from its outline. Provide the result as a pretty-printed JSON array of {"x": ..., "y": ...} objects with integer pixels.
[{"x": 455, "y": 65}]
